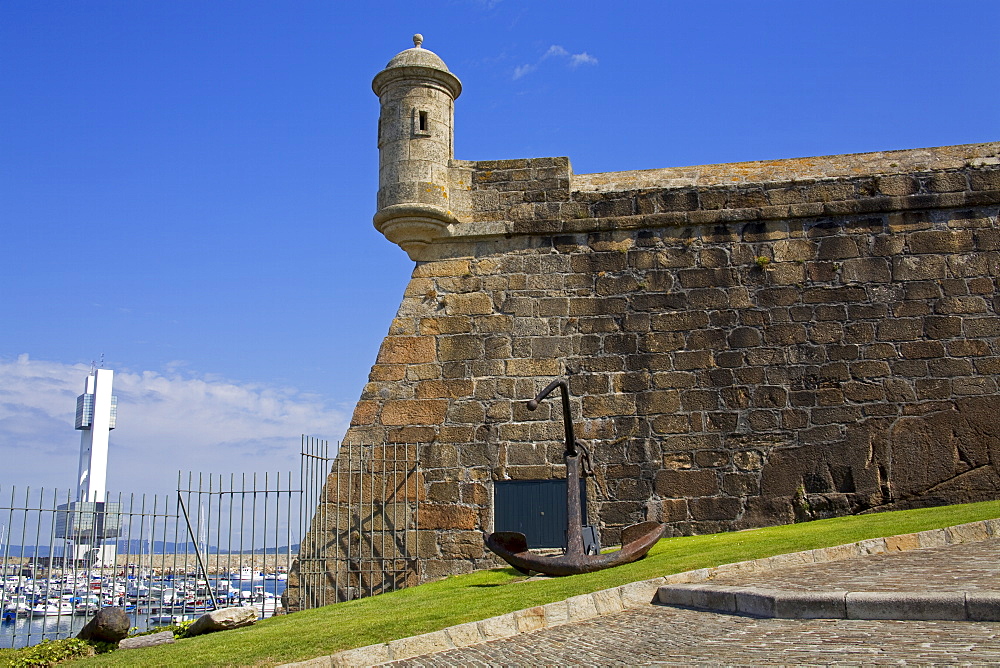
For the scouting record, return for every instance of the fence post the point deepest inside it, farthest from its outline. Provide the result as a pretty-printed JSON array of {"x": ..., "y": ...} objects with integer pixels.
[{"x": 197, "y": 551}]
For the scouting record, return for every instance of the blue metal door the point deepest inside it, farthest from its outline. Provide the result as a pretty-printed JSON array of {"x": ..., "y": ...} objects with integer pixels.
[{"x": 536, "y": 508}]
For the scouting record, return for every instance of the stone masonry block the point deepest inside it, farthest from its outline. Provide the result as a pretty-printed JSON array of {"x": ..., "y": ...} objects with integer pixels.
[
  {"x": 739, "y": 569},
  {"x": 946, "y": 182},
  {"x": 823, "y": 295},
  {"x": 684, "y": 484},
  {"x": 756, "y": 602},
  {"x": 679, "y": 321},
  {"x": 426, "y": 643},
  {"x": 581, "y": 607},
  {"x": 448, "y": 516},
  {"x": 967, "y": 533},
  {"x": 442, "y": 268},
  {"x": 658, "y": 401},
  {"x": 837, "y": 248},
  {"x": 707, "y": 278},
  {"x": 902, "y": 542},
  {"x": 982, "y": 606},
  {"x": 703, "y": 596},
  {"x": 414, "y": 411},
  {"x": 910, "y": 221},
  {"x": 790, "y": 560},
  {"x": 446, "y": 325},
  {"x": 941, "y": 241},
  {"x": 556, "y": 613},
  {"x": 452, "y": 388},
  {"x": 898, "y": 185},
  {"x": 906, "y": 605},
  {"x": 371, "y": 655},
  {"x": 836, "y": 553},
  {"x": 918, "y": 267},
  {"x": 460, "y": 347},
  {"x": 714, "y": 508},
  {"x": 830, "y": 604},
  {"x": 608, "y": 405},
  {"x": 640, "y": 594},
  {"x": 464, "y": 635},
  {"x": 985, "y": 179},
  {"x": 364, "y": 413},
  {"x": 608, "y": 601},
  {"x": 474, "y": 303},
  {"x": 942, "y": 327},
  {"x": 932, "y": 538},
  {"x": 530, "y": 619},
  {"x": 532, "y": 367},
  {"x": 872, "y": 546},
  {"x": 406, "y": 350},
  {"x": 900, "y": 329},
  {"x": 867, "y": 270},
  {"x": 497, "y": 628},
  {"x": 961, "y": 305}
]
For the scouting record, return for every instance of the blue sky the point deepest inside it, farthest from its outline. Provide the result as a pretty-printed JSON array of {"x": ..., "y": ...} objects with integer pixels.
[{"x": 187, "y": 187}]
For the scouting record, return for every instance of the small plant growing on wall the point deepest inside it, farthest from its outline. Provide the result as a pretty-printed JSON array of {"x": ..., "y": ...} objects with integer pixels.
[{"x": 762, "y": 262}]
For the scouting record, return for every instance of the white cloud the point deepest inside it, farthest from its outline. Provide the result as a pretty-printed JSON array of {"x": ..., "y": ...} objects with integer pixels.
[
  {"x": 167, "y": 422},
  {"x": 558, "y": 52},
  {"x": 521, "y": 70},
  {"x": 555, "y": 50}
]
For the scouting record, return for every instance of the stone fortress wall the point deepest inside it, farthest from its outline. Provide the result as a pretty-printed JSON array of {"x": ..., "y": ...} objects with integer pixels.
[
  {"x": 747, "y": 344},
  {"x": 740, "y": 355}
]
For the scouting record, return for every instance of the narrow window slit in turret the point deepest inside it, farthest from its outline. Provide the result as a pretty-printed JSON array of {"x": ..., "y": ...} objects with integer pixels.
[{"x": 421, "y": 123}]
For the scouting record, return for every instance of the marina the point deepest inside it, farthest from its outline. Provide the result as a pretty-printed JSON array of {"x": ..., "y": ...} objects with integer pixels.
[
  {"x": 60, "y": 605},
  {"x": 222, "y": 541}
]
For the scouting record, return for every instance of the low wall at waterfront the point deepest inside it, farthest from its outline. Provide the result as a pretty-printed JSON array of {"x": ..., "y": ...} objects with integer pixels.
[{"x": 166, "y": 564}]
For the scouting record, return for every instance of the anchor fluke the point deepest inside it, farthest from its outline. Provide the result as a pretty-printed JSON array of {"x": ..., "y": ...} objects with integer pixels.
[
  {"x": 508, "y": 542},
  {"x": 638, "y": 532}
]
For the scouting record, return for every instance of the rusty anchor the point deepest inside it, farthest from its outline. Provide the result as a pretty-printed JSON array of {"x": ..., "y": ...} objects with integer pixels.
[{"x": 512, "y": 546}]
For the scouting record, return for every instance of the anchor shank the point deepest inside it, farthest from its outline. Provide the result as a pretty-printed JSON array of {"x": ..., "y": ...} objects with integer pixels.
[
  {"x": 567, "y": 421},
  {"x": 567, "y": 416},
  {"x": 574, "y": 515}
]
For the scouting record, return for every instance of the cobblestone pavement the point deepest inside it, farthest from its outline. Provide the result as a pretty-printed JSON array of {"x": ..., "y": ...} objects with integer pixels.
[
  {"x": 670, "y": 636},
  {"x": 965, "y": 567},
  {"x": 660, "y": 635}
]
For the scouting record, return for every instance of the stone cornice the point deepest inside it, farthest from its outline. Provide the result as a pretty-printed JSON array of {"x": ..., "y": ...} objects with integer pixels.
[
  {"x": 714, "y": 205},
  {"x": 849, "y": 165},
  {"x": 445, "y": 79}
]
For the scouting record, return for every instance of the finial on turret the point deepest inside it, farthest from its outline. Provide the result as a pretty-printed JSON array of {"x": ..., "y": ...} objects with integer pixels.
[{"x": 418, "y": 39}]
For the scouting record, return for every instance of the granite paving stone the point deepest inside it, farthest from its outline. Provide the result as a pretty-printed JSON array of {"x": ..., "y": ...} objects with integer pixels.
[
  {"x": 964, "y": 567},
  {"x": 663, "y": 635},
  {"x": 660, "y": 635}
]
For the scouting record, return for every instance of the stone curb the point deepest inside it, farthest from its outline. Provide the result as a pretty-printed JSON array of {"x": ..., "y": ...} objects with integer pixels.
[
  {"x": 645, "y": 592},
  {"x": 835, "y": 604}
]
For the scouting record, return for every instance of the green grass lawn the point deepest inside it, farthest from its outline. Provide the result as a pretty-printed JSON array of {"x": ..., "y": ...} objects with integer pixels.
[{"x": 480, "y": 595}]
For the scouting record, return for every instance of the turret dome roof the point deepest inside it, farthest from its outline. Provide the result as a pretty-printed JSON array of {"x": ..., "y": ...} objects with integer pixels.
[
  {"x": 417, "y": 56},
  {"x": 417, "y": 62}
]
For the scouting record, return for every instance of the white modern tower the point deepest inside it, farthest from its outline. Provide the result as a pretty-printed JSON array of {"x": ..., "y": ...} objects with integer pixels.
[
  {"x": 96, "y": 410},
  {"x": 89, "y": 521}
]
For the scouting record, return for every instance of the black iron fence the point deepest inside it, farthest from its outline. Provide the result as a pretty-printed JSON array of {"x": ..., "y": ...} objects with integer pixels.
[
  {"x": 219, "y": 541},
  {"x": 362, "y": 539}
]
